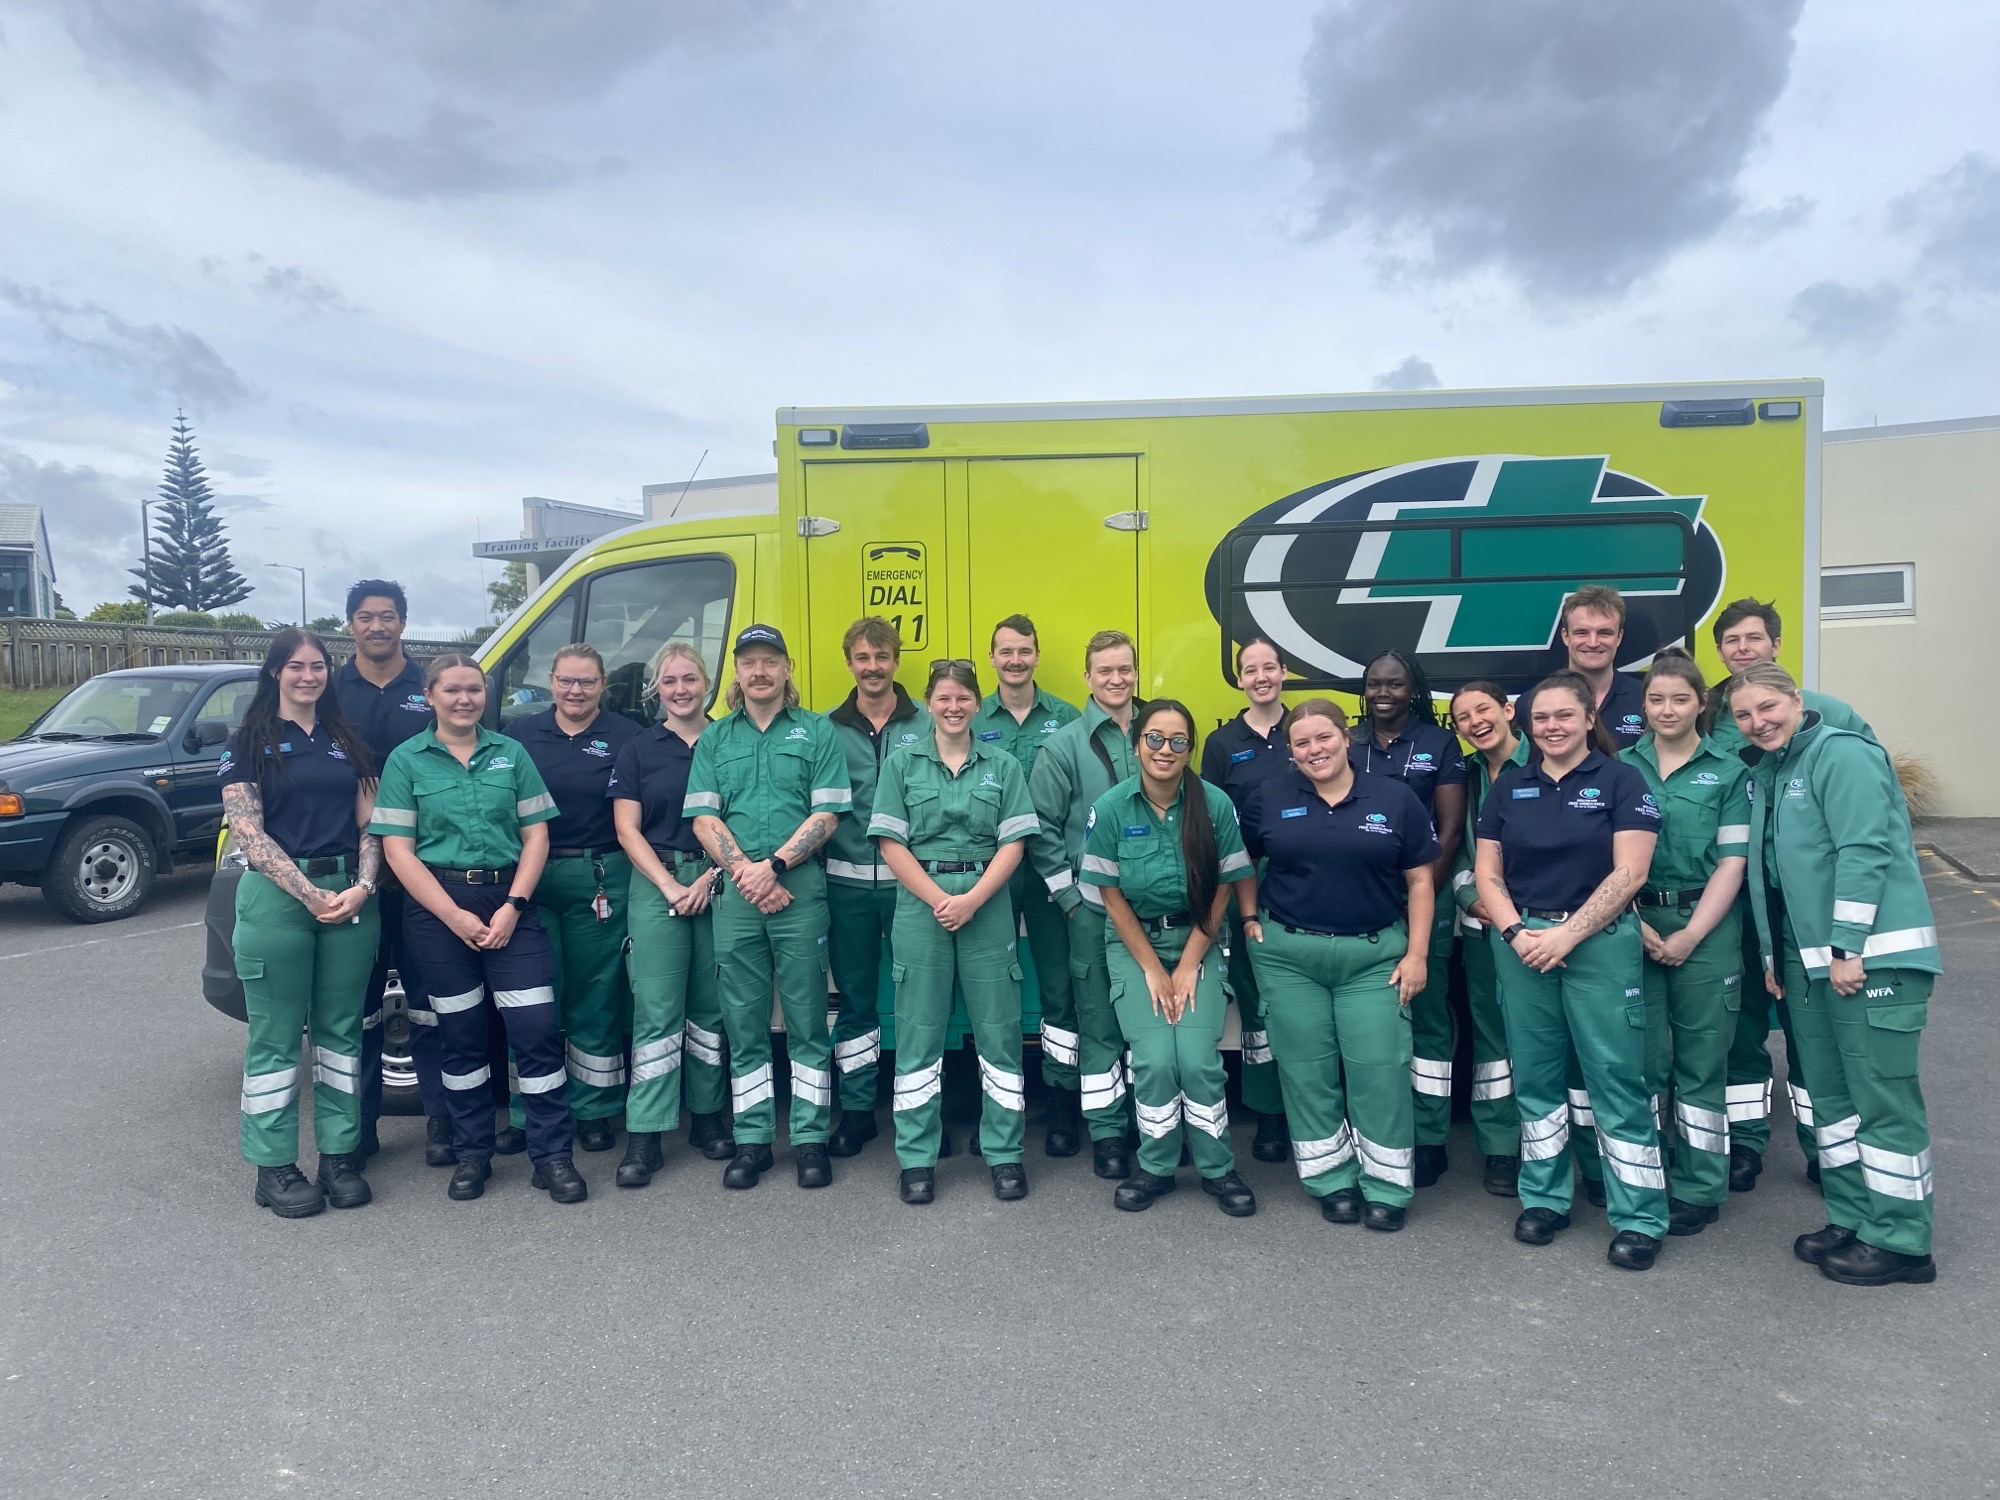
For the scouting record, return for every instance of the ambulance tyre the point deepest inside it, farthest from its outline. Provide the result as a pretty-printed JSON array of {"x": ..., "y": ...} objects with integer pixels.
[{"x": 102, "y": 869}]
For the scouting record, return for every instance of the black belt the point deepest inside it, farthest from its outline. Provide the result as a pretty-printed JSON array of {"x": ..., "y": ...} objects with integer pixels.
[
  {"x": 953, "y": 866},
  {"x": 1373, "y": 937},
  {"x": 326, "y": 864},
  {"x": 1168, "y": 923},
  {"x": 1546, "y": 916},
  {"x": 667, "y": 851},
  {"x": 453, "y": 876},
  {"x": 1669, "y": 898},
  {"x": 597, "y": 852}
]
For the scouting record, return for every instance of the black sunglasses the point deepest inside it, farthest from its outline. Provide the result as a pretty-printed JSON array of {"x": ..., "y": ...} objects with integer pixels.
[{"x": 1178, "y": 743}]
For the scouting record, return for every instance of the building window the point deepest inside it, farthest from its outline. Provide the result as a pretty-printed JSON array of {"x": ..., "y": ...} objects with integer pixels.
[
  {"x": 1873, "y": 592},
  {"x": 17, "y": 583}
]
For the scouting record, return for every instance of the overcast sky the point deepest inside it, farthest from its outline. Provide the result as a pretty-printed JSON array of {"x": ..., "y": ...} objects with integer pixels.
[{"x": 403, "y": 264}]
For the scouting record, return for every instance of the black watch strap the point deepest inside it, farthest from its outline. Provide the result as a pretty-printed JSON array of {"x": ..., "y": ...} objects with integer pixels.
[
  {"x": 519, "y": 903},
  {"x": 1508, "y": 934},
  {"x": 778, "y": 865}
]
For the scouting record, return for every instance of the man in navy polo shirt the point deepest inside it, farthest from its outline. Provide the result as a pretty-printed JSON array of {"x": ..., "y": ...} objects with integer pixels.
[{"x": 1593, "y": 628}]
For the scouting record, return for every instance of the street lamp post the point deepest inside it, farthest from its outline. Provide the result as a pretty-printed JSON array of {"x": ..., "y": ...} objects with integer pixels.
[
  {"x": 294, "y": 568},
  {"x": 146, "y": 556}
]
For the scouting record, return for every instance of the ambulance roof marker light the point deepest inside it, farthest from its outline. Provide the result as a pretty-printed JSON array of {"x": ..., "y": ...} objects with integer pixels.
[{"x": 818, "y": 437}]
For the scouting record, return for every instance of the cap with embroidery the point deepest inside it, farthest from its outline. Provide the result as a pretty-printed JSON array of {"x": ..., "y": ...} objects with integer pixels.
[{"x": 759, "y": 635}]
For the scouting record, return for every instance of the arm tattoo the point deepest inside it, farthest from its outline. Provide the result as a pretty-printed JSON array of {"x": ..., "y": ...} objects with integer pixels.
[
  {"x": 713, "y": 835},
  {"x": 245, "y": 809},
  {"x": 370, "y": 864},
  {"x": 1605, "y": 903},
  {"x": 815, "y": 831}
]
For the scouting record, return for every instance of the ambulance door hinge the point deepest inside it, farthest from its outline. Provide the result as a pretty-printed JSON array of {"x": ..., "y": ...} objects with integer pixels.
[
  {"x": 1127, "y": 520},
  {"x": 818, "y": 526}
]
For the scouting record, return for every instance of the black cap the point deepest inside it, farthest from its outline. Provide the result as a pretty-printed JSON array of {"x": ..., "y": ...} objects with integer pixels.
[{"x": 759, "y": 635}]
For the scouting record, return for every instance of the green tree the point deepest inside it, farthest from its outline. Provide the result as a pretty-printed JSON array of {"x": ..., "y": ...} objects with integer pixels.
[
  {"x": 186, "y": 619},
  {"x": 328, "y": 625},
  {"x": 189, "y": 566},
  {"x": 507, "y": 592},
  {"x": 124, "y": 612},
  {"x": 238, "y": 620},
  {"x": 63, "y": 611}
]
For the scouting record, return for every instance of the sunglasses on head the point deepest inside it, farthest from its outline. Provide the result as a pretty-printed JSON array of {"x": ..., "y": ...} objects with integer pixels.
[
  {"x": 951, "y": 663},
  {"x": 1178, "y": 743}
]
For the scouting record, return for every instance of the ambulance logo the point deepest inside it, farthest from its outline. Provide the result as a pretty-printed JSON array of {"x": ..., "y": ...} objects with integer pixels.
[{"x": 1481, "y": 598}]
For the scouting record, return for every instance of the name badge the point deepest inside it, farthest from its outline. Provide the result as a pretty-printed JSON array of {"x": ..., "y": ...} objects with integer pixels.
[
  {"x": 1524, "y": 793},
  {"x": 989, "y": 734},
  {"x": 1138, "y": 830},
  {"x": 1242, "y": 755},
  {"x": 1292, "y": 812}
]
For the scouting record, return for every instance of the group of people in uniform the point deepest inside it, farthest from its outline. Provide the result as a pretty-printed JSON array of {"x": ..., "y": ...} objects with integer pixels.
[{"x": 1631, "y": 872}]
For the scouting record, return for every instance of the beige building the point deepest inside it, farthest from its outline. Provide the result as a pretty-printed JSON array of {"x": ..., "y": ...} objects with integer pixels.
[{"x": 1910, "y": 594}]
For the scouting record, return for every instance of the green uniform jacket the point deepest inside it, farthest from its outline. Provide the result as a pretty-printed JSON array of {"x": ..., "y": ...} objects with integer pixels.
[
  {"x": 463, "y": 817},
  {"x": 850, "y": 853},
  {"x": 1704, "y": 813},
  {"x": 1129, "y": 847},
  {"x": 765, "y": 783},
  {"x": 1477, "y": 785},
  {"x": 1079, "y": 763},
  {"x": 936, "y": 815},
  {"x": 1832, "y": 712},
  {"x": 995, "y": 727},
  {"x": 1827, "y": 809}
]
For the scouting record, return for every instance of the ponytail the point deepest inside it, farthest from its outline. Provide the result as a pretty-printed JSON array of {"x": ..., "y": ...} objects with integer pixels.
[{"x": 1198, "y": 847}]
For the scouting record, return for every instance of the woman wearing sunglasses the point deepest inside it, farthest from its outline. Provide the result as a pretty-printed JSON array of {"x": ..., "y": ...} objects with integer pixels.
[{"x": 1162, "y": 849}]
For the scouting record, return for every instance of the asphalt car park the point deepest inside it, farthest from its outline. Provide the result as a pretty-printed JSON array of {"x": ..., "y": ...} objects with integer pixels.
[{"x": 164, "y": 1337}]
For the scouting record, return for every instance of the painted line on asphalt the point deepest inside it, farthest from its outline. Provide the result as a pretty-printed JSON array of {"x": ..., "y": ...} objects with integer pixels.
[{"x": 93, "y": 942}]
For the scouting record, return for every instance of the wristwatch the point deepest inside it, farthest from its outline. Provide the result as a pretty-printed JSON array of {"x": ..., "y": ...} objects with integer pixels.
[
  {"x": 778, "y": 865},
  {"x": 1508, "y": 934},
  {"x": 365, "y": 883},
  {"x": 519, "y": 903}
]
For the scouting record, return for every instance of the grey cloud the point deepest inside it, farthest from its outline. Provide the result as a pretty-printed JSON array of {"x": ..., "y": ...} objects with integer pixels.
[
  {"x": 1413, "y": 374},
  {"x": 301, "y": 289},
  {"x": 1837, "y": 316},
  {"x": 1759, "y": 224},
  {"x": 1957, "y": 214},
  {"x": 154, "y": 359},
  {"x": 93, "y": 521},
  {"x": 1571, "y": 145}
]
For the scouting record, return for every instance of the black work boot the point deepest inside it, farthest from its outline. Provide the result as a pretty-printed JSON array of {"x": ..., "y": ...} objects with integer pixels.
[
  {"x": 1109, "y": 1158},
  {"x": 1746, "y": 1165},
  {"x": 856, "y": 1129},
  {"x": 1010, "y": 1182},
  {"x": 917, "y": 1185},
  {"x": 559, "y": 1178},
  {"x": 366, "y": 1149},
  {"x": 812, "y": 1167},
  {"x": 711, "y": 1136},
  {"x": 1274, "y": 1140},
  {"x": 1137, "y": 1194},
  {"x": 285, "y": 1191},
  {"x": 643, "y": 1158},
  {"x": 341, "y": 1181},
  {"x": 1432, "y": 1163},
  {"x": 1812, "y": 1248},
  {"x": 1062, "y": 1123},
  {"x": 596, "y": 1135},
  {"x": 509, "y": 1139},
  {"x": 438, "y": 1150},
  {"x": 468, "y": 1179},
  {"x": 751, "y": 1161},
  {"x": 1231, "y": 1194},
  {"x": 1858, "y": 1263}
]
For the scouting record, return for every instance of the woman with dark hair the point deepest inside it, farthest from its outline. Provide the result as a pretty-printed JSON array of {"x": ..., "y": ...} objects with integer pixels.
[
  {"x": 951, "y": 817},
  {"x": 461, "y": 814},
  {"x": 1479, "y": 713},
  {"x": 1346, "y": 881},
  {"x": 1162, "y": 849},
  {"x": 1689, "y": 928},
  {"x": 297, "y": 787},
  {"x": 1564, "y": 846},
  {"x": 1849, "y": 940},
  {"x": 1401, "y": 737}
]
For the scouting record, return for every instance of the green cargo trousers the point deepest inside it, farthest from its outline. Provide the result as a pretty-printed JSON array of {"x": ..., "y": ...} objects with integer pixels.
[
  {"x": 1690, "y": 1020},
  {"x": 1434, "y": 1034},
  {"x": 980, "y": 956},
  {"x": 1100, "y": 1050},
  {"x": 1261, "y": 1093},
  {"x": 1178, "y": 1081},
  {"x": 593, "y": 997},
  {"x": 1593, "y": 1003},
  {"x": 1496, "y": 1123},
  {"x": 861, "y": 919},
  {"x": 1749, "y": 1086},
  {"x": 1331, "y": 1011},
  {"x": 751, "y": 950},
  {"x": 300, "y": 975},
  {"x": 1860, "y": 1056},
  {"x": 676, "y": 1007},
  {"x": 1048, "y": 949}
]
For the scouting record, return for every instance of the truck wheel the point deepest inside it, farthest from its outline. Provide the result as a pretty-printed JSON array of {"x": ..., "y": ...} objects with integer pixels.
[
  {"x": 399, "y": 1068},
  {"x": 102, "y": 869}
]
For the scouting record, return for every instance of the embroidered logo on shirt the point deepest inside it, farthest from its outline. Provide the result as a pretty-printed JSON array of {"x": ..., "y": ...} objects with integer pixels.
[
  {"x": 1796, "y": 787},
  {"x": 222, "y": 766},
  {"x": 499, "y": 763},
  {"x": 1050, "y": 726},
  {"x": 334, "y": 752},
  {"x": 1588, "y": 799},
  {"x": 989, "y": 779},
  {"x": 1633, "y": 719},
  {"x": 909, "y": 738},
  {"x": 598, "y": 748},
  {"x": 415, "y": 704},
  {"x": 1648, "y": 808},
  {"x": 1420, "y": 763},
  {"x": 798, "y": 732},
  {"x": 1707, "y": 778},
  {"x": 1375, "y": 823}
]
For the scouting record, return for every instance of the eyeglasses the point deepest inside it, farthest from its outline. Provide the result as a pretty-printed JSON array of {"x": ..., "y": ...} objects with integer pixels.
[
  {"x": 952, "y": 664},
  {"x": 1178, "y": 743},
  {"x": 578, "y": 682}
]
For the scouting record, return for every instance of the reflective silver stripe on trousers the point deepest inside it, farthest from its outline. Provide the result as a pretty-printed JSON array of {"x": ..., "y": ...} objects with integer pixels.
[
  {"x": 1256, "y": 1047},
  {"x": 336, "y": 1071},
  {"x": 811, "y": 1085},
  {"x": 1213, "y": 1118},
  {"x": 1547, "y": 1138},
  {"x": 594, "y": 1069},
  {"x": 1580, "y": 1113},
  {"x": 541, "y": 994},
  {"x": 1059, "y": 1045},
  {"x": 446, "y": 1005},
  {"x": 472, "y": 1080},
  {"x": 1102, "y": 1090},
  {"x": 858, "y": 1052},
  {"x": 1802, "y": 1109},
  {"x": 1632, "y": 1163},
  {"x": 751, "y": 1088},
  {"x": 1158, "y": 1120},
  {"x": 1703, "y": 1129},
  {"x": 915, "y": 1090},
  {"x": 1748, "y": 1101},
  {"x": 655, "y": 1059},
  {"x": 420, "y": 1017},
  {"x": 1895, "y": 1175},
  {"x": 541, "y": 1083},
  {"x": 1317, "y": 1158},
  {"x": 1837, "y": 1144},
  {"x": 704, "y": 1045},
  {"x": 1005, "y": 1089},
  {"x": 1431, "y": 1075},
  {"x": 1386, "y": 1163},
  {"x": 1493, "y": 1080},
  {"x": 264, "y": 1092}
]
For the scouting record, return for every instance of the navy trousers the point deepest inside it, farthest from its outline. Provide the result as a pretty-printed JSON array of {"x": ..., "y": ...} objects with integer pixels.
[{"x": 426, "y": 1050}]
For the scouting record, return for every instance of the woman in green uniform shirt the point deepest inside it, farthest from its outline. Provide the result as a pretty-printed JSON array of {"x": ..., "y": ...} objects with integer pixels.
[
  {"x": 676, "y": 1006},
  {"x": 296, "y": 786},
  {"x": 950, "y": 818},
  {"x": 1163, "y": 847},
  {"x": 1690, "y": 931}
]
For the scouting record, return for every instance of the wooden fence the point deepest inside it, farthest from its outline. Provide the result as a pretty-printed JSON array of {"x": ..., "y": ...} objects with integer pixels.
[{"x": 62, "y": 653}]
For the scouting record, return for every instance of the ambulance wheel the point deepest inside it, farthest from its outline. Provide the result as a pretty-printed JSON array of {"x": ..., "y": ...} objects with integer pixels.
[
  {"x": 399, "y": 1068},
  {"x": 102, "y": 870}
]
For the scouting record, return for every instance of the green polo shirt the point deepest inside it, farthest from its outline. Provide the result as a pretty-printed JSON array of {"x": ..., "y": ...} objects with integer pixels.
[
  {"x": 996, "y": 728},
  {"x": 937, "y": 813},
  {"x": 1704, "y": 813},
  {"x": 764, "y": 783},
  {"x": 462, "y": 816},
  {"x": 1131, "y": 847}
]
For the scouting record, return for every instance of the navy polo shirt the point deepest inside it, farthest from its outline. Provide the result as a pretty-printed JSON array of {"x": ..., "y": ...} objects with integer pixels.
[
  {"x": 1555, "y": 836},
  {"x": 309, "y": 803},
  {"x": 384, "y": 716},
  {"x": 577, "y": 770},
  {"x": 1623, "y": 710},
  {"x": 652, "y": 770},
  {"x": 1423, "y": 757},
  {"x": 1337, "y": 869},
  {"x": 1238, "y": 759}
]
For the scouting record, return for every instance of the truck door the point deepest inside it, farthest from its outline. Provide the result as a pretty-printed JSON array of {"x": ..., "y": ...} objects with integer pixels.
[{"x": 887, "y": 558}]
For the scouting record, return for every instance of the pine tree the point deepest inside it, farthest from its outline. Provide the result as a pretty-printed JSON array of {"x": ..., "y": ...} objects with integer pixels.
[{"x": 190, "y": 566}]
